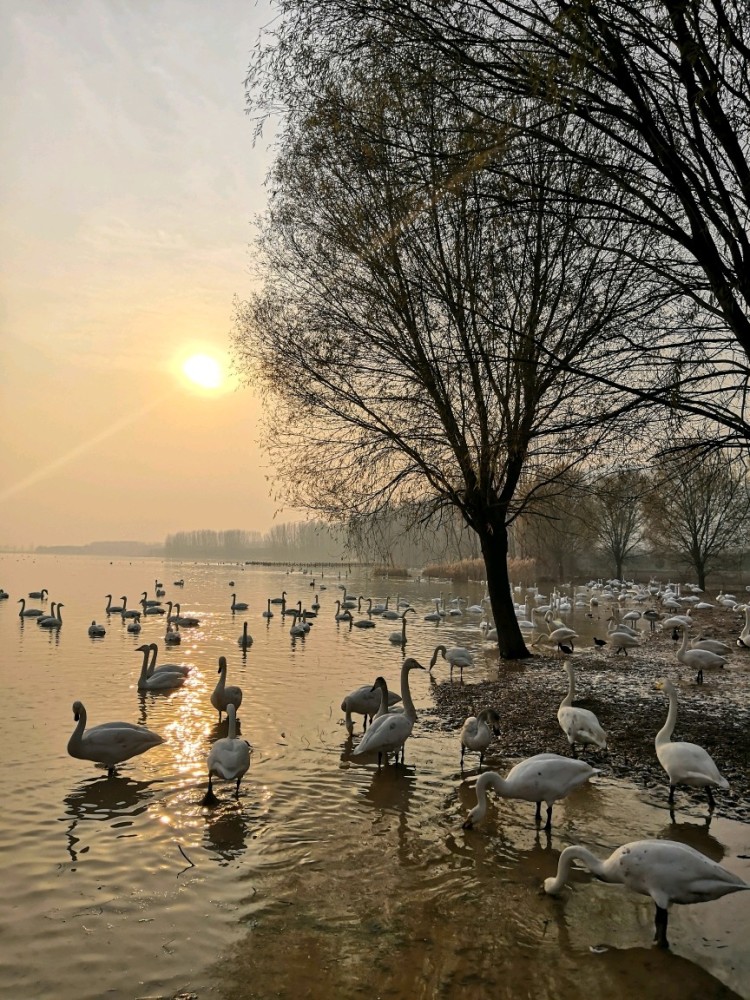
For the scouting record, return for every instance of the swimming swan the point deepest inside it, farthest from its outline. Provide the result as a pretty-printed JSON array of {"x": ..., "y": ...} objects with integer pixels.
[
  {"x": 685, "y": 763},
  {"x": 546, "y": 777},
  {"x": 110, "y": 743},
  {"x": 159, "y": 680},
  {"x": 665, "y": 870},
  {"x": 399, "y": 638},
  {"x": 224, "y": 695},
  {"x": 174, "y": 668},
  {"x": 228, "y": 758},
  {"x": 245, "y": 641},
  {"x": 578, "y": 724}
]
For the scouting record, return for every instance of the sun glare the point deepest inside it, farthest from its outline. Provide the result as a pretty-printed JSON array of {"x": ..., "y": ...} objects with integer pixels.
[{"x": 203, "y": 370}]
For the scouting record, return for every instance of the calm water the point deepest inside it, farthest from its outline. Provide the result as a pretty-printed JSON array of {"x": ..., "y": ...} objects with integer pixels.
[{"x": 327, "y": 878}]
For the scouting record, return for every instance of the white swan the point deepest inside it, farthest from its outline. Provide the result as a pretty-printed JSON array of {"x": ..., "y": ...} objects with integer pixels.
[
  {"x": 159, "y": 680},
  {"x": 665, "y": 870},
  {"x": 744, "y": 636},
  {"x": 342, "y": 616},
  {"x": 268, "y": 613},
  {"x": 622, "y": 639},
  {"x": 134, "y": 626},
  {"x": 127, "y": 612},
  {"x": 40, "y": 594},
  {"x": 110, "y": 743},
  {"x": 39, "y": 619},
  {"x": 398, "y": 638},
  {"x": 698, "y": 659},
  {"x": 364, "y": 701},
  {"x": 96, "y": 631},
  {"x": 245, "y": 641},
  {"x": 579, "y": 724},
  {"x": 389, "y": 732},
  {"x": 685, "y": 763},
  {"x": 712, "y": 645},
  {"x": 238, "y": 605},
  {"x": 545, "y": 777},
  {"x": 457, "y": 656},
  {"x": 477, "y": 732},
  {"x": 172, "y": 636},
  {"x": 173, "y": 668},
  {"x": 228, "y": 758},
  {"x": 223, "y": 694}
]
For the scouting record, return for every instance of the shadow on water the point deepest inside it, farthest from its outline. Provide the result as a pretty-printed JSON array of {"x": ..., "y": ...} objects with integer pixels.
[{"x": 115, "y": 801}]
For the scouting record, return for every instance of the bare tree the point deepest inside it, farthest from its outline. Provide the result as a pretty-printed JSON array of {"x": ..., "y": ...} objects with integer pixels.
[
  {"x": 699, "y": 509},
  {"x": 666, "y": 86},
  {"x": 615, "y": 514},
  {"x": 416, "y": 306}
]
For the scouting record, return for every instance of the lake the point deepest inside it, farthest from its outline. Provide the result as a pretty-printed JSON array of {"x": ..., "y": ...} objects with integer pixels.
[{"x": 326, "y": 878}]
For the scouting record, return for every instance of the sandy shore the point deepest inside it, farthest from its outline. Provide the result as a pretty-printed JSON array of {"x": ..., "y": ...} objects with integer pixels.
[{"x": 621, "y": 691}]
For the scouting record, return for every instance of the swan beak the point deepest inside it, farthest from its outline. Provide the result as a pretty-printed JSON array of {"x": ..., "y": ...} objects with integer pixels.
[{"x": 467, "y": 824}]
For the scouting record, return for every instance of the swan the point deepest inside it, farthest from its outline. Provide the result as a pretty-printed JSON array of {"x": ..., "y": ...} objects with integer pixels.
[
  {"x": 744, "y": 637},
  {"x": 477, "y": 733},
  {"x": 131, "y": 612},
  {"x": 110, "y": 743},
  {"x": 685, "y": 763},
  {"x": 245, "y": 641},
  {"x": 4, "y": 595},
  {"x": 342, "y": 616},
  {"x": 28, "y": 612},
  {"x": 50, "y": 621},
  {"x": 238, "y": 605},
  {"x": 622, "y": 641},
  {"x": 652, "y": 616},
  {"x": 546, "y": 777},
  {"x": 149, "y": 603},
  {"x": 172, "y": 637},
  {"x": 185, "y": 621},
  {"x": 45, "y": 616},
  {"x": 365, "y": 622},
  {"x": 300, "y": 627},
  {"x": 365, "y": 701},
  {"x": 434, "y": 616},
  {"x": 712, "y": 645},
  {"x": 578, "y": 724},
  {"x": 172, "y": 668},
  {"x": 178, "y": 583},
  {"x": 457, "y": 656},
  {"x": 378, "y": 609},
  {"x": 279, "y": 600},
  {"x": 389, "y": 732},
  {"x": 563, "y": 634},
  {"x": 40, "y": 594},
  {"x": 490, "y": 634},
  {"x": 96, "y": 631},
  {"x": 665, "y": 870},
  {"x": 112, "y": 609},
  {"x": 399, "y": 638},
  {"x": 134, "y": 626},
  {"x": 222, "y": 694},
  {"x": 268, "y": 613},
  {"x": 159, "y": 680},
  {"x": 698, "y": 659},
  {"x": 228, "y": 758}
]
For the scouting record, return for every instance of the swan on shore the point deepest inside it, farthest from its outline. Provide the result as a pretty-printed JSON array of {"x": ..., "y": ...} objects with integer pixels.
[
  {"x": 228, "y": 758},
  {"x": 685, "y": 763},
  {"x": 477, "y": 732},
  {"x": 579, "y": 724},
  {"x": 698, "y": 659},
  {"x": 456, "y": 656},
  {"x": 665, "y": 870},
  {"x": 546, "y": 777},
  {"x": 110, "y": 743}
]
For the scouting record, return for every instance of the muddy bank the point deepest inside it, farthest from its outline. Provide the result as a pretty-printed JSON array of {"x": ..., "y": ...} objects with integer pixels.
[{"x": 621, "y": 691}]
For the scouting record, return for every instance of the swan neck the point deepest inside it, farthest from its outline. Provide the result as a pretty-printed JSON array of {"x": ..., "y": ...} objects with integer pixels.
[
  {"x": 568, "y": 699},
  {"x": 665, "y": 733},
  {"x": 565, "y": 863},
  {"x": 685, "y": 638},
  {"x": 232, "y": 726},
  {"x": 409, "y": 709}
]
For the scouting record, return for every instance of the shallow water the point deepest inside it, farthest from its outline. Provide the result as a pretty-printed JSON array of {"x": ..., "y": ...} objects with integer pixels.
[{"x": 326, "y": 878}]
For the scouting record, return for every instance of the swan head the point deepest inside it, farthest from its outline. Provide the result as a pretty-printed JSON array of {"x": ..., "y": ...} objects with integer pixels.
[
  {"x": 492, "y": 718},
  {"x": 411, "y": 664},
  {"x": 78, "y": 710},
  {"x": 222, "y": 664},
  {"x": 433, "y": 661},
  {"x": 145, "y": 648}
]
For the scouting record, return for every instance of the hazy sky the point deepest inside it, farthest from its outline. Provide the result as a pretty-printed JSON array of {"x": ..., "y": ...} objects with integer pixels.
[{"x": 128, "y": 186}]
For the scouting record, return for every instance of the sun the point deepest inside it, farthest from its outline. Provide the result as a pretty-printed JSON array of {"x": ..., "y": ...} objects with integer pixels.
[{"x": 203, "y": 370}]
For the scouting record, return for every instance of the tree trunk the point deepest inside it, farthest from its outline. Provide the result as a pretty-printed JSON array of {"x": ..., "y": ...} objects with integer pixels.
[{"x": 494, "y": 542}]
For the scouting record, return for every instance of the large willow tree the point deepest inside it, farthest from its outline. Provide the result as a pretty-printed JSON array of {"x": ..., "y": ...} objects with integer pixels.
[{"x": 420, "y": 313}]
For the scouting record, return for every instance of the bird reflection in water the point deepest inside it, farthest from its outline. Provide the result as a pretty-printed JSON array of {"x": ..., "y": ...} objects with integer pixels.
[
  {"x": 694, "y": 835},
  {"x": 103, "y": 800},
  {"x": 226, "y": 832}
]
